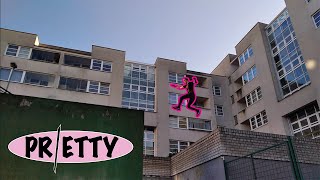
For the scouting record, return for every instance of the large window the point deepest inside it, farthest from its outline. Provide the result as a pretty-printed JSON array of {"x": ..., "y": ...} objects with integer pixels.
[
  {"x": 249, "y": 75},
  {"x": 199, "y": 124},
  {"x": 148, "y": 142},
  {"x": 245, "y": 55},
  {"x": 18, "y": 51},
  {"x": 40, "y": 55},
  {"x": 178, "y": 122},
  {"x": 80, "y": 85},
  {"x": 253, "y": 97},
  {"x": 173, "y": 98},
  {"x": 306, "y": 121},
  {"x": 27, "y": 77},
  {"x": 288, "y": 60},
  {"x": 139, "y": 87},
  {"x": 216, "y": 90},
  {"x": 77, "y": 61},
  {"x": 218, "y": 110},
  {"x": 258, "y": 120},
  {"x": 177, "y": 146},
  {"x": 38, "y": 79},
  {"x": 189, "y": 123},
  {"x": 73, "y": 84},
  {"x": 100, "y": 65},
  {"x": 316, "y": 19},
  {"x": 15, "y": 77},
  {"x": 175, "y": 78},
  {"x": 99, "y": 87}
]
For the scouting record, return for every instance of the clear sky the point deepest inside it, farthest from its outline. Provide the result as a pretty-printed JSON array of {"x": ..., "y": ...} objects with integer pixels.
[{"x": 199, "y": 32}]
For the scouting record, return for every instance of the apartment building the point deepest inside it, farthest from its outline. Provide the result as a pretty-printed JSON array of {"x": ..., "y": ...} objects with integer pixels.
[
  {"x": 274, "y": 75},
  {"x": 104, "y": 77},
  {"x": 270, "y": 85}
]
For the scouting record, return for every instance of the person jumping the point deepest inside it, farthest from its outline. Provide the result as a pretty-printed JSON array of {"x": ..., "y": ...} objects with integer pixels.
[{"x": 190, "y": 95}]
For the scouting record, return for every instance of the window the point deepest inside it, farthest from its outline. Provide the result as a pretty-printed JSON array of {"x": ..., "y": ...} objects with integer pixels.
[
  {"x": 77, "y": 61},
  {"x": 27, "y": 77},
  {"x": 138, "y": 92},
  {"x": 178, "y": 122},
  {"x": 99, "y": 87},
  {"x": 258, "y": 120},
  {"x": 216, "y": 90},
  {"x": 100, "y": 65},
  {"x": 46, "y": 56},
  {"x": 15, "y": 77},
  {"x": 173, "y": 98},
  {"x": 38, "y": 79},
  {"x": 177, "y": 146},
  {"x": 253, "y": 97},
  {"x": 189, "y": 123},
  {"x": 148, "y": 142},
  {"x": 289, "y": 62},
  {"x": 316, "y": 18},
  {"x": 73, "y": 84},
  {"x": 218, "y": 110},
  {"x": 306, "y": 121},
  {"x": 200, "y": 124},
  {"x": 249, "y": 75},
  {"x": 245, "y": 55},
  {"x": 175, "y": 78},
  {"x": 18, "y": 51},
  {"x": 80, "y": 85}
]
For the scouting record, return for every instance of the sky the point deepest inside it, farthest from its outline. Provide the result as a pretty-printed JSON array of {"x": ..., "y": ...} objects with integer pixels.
[{"x": 199, "y": 32}]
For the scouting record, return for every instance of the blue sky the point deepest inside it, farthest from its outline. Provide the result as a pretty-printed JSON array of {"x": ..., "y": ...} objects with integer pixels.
[{"x": 199, "y": 32}]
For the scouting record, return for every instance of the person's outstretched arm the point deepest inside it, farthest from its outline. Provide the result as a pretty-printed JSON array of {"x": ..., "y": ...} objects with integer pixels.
[
  {"x": 177, "y": 86},
  {"x": 195, "y": 80}
]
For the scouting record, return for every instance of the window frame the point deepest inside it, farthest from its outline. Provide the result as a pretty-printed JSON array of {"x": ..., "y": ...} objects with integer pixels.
[
  {"x": 145, "y": 140},
  {"x": 255, "y": 119},
  {"x": 87, "y": 89},
  {"x": 177, "y": 119},
  {"x": 216, "y": 110},
  {"x": 314, "y": 19},
  {"x": 178, "y": 145},
  {"x": 103, "y": 62},
  {"x": 307, "y": 117},
  {"x": 242, "y": 55},
  {"x": 215, "y": 90},
  {"x": 248, "y": 73},
  {"x": 18, "y": 51},
  {"x": 177, "y": 76},
  {"x": 251, "y": 95}
]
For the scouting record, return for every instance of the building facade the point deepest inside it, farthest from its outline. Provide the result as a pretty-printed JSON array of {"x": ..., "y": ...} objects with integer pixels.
[
  {"x": 270, "y": 85},
  {"x": 104, "y": 77}
]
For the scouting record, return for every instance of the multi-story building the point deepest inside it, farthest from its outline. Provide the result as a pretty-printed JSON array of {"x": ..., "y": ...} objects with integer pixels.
[
  {"x": 104, "y": 77},
  {"x": 270, "y": 85},
  {"x": 274, "y": 76}
]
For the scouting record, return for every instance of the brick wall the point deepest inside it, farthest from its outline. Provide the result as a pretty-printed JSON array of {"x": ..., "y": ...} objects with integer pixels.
[
  {"x": 156, "y": 167},
  {"x": 200, "y": 152},
  {"x": 238, "y": 143}
]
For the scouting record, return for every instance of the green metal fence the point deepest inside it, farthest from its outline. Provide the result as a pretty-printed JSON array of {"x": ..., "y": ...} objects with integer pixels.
[{"x": 279, "y": 161}]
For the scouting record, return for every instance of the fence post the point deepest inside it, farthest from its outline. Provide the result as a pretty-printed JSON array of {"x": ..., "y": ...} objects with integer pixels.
[
  {"x": 293, "y": 159},
  {"x": 253, "y": 167},
  {"x": 225, "y": 169}
]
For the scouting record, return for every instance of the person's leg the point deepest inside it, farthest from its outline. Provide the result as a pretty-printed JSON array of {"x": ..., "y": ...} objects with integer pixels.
[
  {"x": 191, "y": 106},
  {"x": 180, "y": 101}
]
